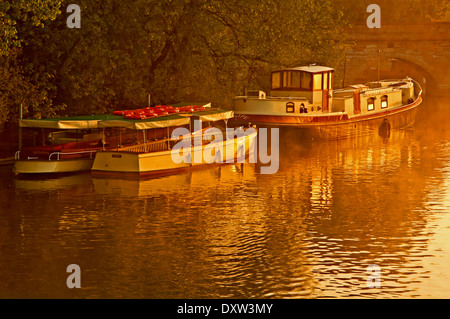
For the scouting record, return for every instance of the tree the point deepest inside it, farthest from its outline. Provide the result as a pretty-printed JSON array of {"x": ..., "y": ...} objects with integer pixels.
[
  {"x": 395, "y": 11},
  {"x": 22, "y": 81},
  {"x": 177, "y": 50}
]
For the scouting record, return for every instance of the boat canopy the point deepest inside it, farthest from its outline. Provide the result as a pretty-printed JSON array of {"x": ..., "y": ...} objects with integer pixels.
[
  {"x": 157, "y": 122},
  {"x": 178, "y": 119},
  {"x": 109, "y": 120},
  {"x": 214, "y": 115},
  {"x": 65, "y": 123}
]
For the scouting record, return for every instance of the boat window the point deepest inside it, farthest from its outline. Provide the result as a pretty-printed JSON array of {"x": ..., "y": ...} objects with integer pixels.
[
  {"x": 318, "y": 81},
  {"x": 290, "y": 107},
  {"x": 295, "y": 79},
  {"x": 325, "y": 81},
  {"x": 330, "y": 85},
  {"x": 384, "y": 101},
  {"x": 306, "y": 80},
  {"x": 276, "y": 80},
  {"x": 285, "y": 80},
  {"x": 370, "y": 104},
  {"x": 291, "y": 79}
]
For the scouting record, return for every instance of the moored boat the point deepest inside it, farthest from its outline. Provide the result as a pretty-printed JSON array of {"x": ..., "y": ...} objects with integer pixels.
[
  {"x": 156, "y": 156},
  {"x": 60, "y": 145},
  {"x": 303, "y": 98}
]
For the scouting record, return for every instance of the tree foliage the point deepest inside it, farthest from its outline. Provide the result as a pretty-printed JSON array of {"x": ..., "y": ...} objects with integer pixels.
[
  {"x": 197, "y": 50},
  {"x": 177, "y": 50},
  {"x": 396, "y": 11},
  {"x": 24, "y": 77}
]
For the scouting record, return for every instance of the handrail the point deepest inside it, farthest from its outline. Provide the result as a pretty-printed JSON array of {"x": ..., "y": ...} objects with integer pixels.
[
  {"x": 250, "y": 97},
  {"x": 70, "y": 153},
  {"x": 159, "y": 145},
  {"x": 162, "y": 145},
  {"x": 406, "y": 79},
  {"x": 379, "y": 90},
  {"x": 336, "y": 91},
  {"x": 420, "y": 87}
]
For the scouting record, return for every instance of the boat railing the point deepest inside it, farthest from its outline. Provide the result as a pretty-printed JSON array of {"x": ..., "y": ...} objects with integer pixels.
[
  {"x": 275, "y": 98},
  {"x": 203, "y": 137},
  {"x": 340, "y": 91},
  {"x": 380, "y": 90},
  {"x": 58, "y": 154},
  {"x": 406, "y": 79},
  {"x": 271, "y": 98},
  {"x": 153, "y": 146},
  {"x": 420, "y": 87},
  {"x": 396, "y": 80},
  {"x": 199, "y": 137}
]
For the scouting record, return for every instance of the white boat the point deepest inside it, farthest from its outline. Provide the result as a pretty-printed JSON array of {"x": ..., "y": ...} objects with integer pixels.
[{"x": 303, "y": 98}]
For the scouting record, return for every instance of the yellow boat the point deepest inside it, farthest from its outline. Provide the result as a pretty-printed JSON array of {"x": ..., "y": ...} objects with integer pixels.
[
  {"x": 65, "y": 145},
  {"x": 149, "y": 156},
  {"x": 53, "y": 166}
]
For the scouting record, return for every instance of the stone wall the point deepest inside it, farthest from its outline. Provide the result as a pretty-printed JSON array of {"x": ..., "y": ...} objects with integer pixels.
[{"x": 421, "y": 51}]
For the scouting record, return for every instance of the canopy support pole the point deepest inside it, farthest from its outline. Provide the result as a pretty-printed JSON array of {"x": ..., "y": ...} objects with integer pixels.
[
  {"x": 145, "y": 142},
  {"x": 226, "y": 128},
  {"x": 20, "y": 128},
  {"x": 168, "y": 142},
  {"x": 103, "y": 139}
]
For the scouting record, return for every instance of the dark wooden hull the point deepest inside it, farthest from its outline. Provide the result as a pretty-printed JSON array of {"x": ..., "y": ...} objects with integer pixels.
[{"x": 337, "y": 126}]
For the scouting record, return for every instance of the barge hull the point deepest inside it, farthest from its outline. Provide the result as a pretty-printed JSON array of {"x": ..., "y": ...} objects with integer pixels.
[{"x": 337, "y": 126}]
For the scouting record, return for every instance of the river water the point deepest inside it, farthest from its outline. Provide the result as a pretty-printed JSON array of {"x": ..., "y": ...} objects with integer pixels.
[{"x": 309, "y": 231}]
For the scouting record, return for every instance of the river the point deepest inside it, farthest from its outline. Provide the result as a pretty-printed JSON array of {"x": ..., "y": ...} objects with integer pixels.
[{"x": 309, "y": 231}]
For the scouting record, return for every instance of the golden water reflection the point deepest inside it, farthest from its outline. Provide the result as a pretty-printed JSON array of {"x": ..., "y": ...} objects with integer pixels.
[{"x": 308, "y": 231}]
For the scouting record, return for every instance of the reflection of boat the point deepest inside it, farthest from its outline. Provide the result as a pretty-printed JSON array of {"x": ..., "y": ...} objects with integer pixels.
[
  {"x": 156, "y": 156},
  {"x": 48, "y": 183},
  {"x": 70, "y": 145},
  {"x": 131, "y": 185},
  {"x": 7, "y": 161},
  {"x": 303, "y": 98},
  {"x": 369, "y": 170},
  {"x": 138, "y": 186}
]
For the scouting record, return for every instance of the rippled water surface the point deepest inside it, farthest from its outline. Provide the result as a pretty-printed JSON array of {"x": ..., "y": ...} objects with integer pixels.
[{"x": 308, "y": 231}]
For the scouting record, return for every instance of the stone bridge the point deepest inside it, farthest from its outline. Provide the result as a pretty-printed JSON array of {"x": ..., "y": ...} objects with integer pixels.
[{"x": 421, "y": 51}]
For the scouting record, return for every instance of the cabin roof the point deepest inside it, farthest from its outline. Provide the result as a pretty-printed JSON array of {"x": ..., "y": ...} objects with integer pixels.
[{"x": 309, "y": 68}]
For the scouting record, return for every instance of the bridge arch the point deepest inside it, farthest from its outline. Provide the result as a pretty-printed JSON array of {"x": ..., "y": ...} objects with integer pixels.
[
  {"x": 420, "y": 51},
  {"x": 398, "y": 67}
]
